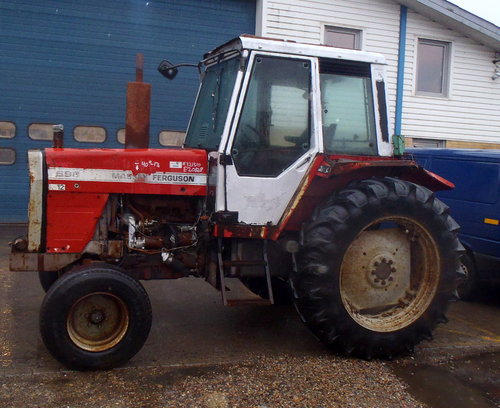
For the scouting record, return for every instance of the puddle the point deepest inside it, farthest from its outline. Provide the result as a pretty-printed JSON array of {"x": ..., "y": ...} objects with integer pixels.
[
  {"x": 469, "y": 382},
  {"x": 173, "y": 376}
]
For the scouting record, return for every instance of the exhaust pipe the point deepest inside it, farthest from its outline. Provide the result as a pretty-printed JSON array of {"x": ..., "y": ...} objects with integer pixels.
[{"x": 138, "y": 109}]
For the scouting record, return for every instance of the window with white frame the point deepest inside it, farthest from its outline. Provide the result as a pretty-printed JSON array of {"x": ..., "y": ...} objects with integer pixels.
[
  {"x": 427, "y": 143},
  {"x": 433, "y": 67},
  {"x": 342, "y": 37}
]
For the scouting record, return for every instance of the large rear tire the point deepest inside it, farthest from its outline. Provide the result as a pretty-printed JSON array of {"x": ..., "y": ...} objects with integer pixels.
[
  {"x": 95, "y": 318},
  {"x": 377, "y": 267}
]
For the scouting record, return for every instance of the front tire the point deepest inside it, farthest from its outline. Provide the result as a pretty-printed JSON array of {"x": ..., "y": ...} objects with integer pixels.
[
  {"x": 47, "y": 279},
  {"x": 377, "y": 268},
  {"x": 94, "y": 318}
]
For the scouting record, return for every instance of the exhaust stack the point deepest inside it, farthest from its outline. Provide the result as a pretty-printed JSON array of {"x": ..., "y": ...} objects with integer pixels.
[{"x": 138, "y": 109}]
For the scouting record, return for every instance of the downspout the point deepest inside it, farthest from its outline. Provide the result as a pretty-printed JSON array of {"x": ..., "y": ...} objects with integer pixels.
[
  {"x": 398, "y": 138},
  {"x": 260, "y": 18}
]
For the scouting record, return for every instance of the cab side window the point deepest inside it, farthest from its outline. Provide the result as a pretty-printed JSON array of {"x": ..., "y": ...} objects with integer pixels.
[
  {"x": 274, "y": 127},
  {"x": 347, "y": 108}
]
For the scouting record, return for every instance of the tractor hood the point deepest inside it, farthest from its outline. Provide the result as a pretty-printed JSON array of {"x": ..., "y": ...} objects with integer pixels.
[{"x": 138, "y": 171}]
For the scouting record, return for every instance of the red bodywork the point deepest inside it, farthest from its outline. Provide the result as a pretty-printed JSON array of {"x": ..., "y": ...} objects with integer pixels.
[
  {"x": 80, "y": 181},
  {"x": 331, "y": 173}
]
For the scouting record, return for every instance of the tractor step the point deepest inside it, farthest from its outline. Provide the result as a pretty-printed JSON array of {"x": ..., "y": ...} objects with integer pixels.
[
  {"x": 234, "y": 292},
  {"x": 237, "y": 294}
]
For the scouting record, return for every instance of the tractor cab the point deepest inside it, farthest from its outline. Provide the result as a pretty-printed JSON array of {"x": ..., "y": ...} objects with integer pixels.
[{"x": 267, "y": 108}]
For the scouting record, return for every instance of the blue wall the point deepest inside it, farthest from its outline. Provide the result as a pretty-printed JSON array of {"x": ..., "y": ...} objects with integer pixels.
[{"x": 69, "y": 62}]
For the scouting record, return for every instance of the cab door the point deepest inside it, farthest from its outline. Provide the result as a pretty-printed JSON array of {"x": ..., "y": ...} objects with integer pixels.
[{"x": 273, "y": 139}]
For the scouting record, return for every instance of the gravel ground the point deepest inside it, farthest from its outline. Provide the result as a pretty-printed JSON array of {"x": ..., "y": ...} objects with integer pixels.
[{"x": 264, "y": 382}]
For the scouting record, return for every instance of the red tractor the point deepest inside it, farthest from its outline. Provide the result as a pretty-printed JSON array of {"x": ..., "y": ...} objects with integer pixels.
[{"x": 287, "y": 184}]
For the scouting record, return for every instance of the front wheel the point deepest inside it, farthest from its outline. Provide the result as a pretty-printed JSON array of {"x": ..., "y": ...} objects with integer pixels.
[
  {"x": 377, "y": 268},
  {"x": 94, "y": 318},
  {"x": 47, "y": 279}
]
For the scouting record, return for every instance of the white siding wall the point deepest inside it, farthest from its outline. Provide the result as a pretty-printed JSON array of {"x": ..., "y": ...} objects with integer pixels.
[{"x": 472, "y": 111}]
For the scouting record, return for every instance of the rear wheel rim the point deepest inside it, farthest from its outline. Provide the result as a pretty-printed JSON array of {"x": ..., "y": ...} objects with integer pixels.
[
  {"x": 98, "y": 321},
  {"x": 390, "y": 274}
]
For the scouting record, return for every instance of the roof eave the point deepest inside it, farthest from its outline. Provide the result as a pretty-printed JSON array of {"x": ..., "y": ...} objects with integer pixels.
[{"x": 458, "y": 19}]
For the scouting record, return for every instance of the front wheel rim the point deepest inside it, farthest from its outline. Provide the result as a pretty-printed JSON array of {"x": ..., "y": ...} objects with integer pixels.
[
  {"x": 390, "y": 274},
  {"x": 98, "y": 321}
]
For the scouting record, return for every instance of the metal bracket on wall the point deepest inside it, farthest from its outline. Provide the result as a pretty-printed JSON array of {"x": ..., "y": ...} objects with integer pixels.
[
  {"x": 398, "y": 142},
  {"x": 496, "y": 61}
]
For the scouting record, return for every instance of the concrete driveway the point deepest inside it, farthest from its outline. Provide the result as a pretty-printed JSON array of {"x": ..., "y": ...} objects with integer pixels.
[{"x": 200, "y": 353}]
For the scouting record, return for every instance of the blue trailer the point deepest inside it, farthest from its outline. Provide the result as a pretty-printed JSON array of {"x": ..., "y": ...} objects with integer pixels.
[{"x": 474, "y": 204}]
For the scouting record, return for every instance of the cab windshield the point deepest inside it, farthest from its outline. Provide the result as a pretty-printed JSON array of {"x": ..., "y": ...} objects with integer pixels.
[{"x": 210, "y": 112}]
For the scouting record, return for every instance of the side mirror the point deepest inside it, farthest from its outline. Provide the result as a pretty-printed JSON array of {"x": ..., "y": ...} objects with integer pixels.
[{"x": 167, "y": 69}]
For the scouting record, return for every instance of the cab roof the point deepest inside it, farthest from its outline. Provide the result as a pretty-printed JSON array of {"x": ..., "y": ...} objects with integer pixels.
[{"x": 250, "y": 42}]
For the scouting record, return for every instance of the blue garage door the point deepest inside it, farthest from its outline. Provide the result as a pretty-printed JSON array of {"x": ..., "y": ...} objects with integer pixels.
[{"x": 69, "y": 62}]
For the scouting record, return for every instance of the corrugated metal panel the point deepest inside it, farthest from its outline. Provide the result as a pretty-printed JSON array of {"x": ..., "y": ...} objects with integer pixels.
[{"x": 69, "y": 62}]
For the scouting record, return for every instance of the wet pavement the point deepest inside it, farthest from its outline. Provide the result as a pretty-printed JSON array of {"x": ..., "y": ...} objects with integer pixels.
[
  {"x": 200, "y": 353},
  {"x": 472, "y": 381}
]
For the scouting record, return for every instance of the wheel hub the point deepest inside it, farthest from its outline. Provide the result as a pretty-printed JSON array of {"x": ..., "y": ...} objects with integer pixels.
[
  {"x": 392, "y": 254},
  {"x": 98, "y": 321},
  {"x": 96, "y": 317},
  {"x": 381, "y": 271}
]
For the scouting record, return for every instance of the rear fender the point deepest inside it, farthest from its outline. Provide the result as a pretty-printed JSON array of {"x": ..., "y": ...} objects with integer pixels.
[{"x": 329, "y": 174}]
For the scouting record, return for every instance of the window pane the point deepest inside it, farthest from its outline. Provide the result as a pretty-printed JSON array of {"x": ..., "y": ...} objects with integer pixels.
[
  {"x": 94, "y": 134},
  {"x": 274, "y": 126},
  {"x": 7, "y": 130},
  {"x": 207, "y": 122},
  {"x": 341, "y": 40},
  {"x": 431, "y": 66},
  {"x": 427, "y": 143},
  {"x": 171, "y": 138},
  {"x": 40, "y": 131},
  {"x": 120, "y": 136},
  {"x": 7, "y": 156},
  {"x": 348, "y": 114},
  {"x": 343, "y": 37}
]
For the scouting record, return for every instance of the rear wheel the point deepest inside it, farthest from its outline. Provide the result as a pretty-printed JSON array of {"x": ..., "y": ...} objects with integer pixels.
[
  {"x": 377, "y": 267},
  {"x": 95, "y": 317}
]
